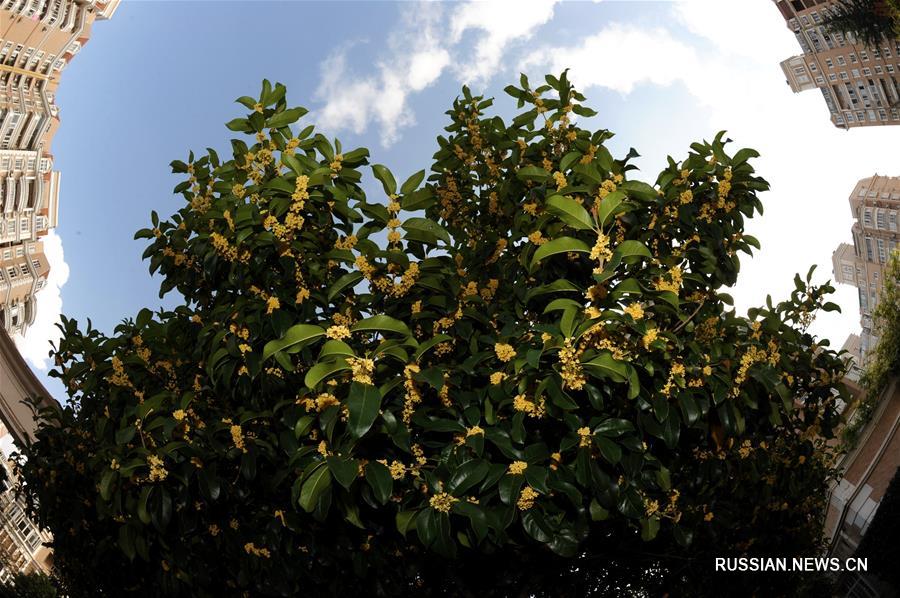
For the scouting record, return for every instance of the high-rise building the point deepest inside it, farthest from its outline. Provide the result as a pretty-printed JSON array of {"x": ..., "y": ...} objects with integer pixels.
[
  {"x": 861, "y": 85},
  {"x": 875, "y": 204},
  {"x": 38, "y": 38}
]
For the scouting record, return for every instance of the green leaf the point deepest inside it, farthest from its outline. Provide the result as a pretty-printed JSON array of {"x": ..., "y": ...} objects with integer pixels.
[
  {"x": 387, "y": 179},
  {"x": 609, "y": 449},
  {"x": 106, "y": 484},
  {"x": 533, "y": 173},
  {"x": 613, "y": 427},
  {"x": 605, "y": 365},
  {"x": 143, "y": 513},
  {"x": 559, "y": 245},
  {"x": 598, "y": 513},
  {"x": 569, "y": 211},
  {"x": 382, "y": 324},
  {"x": 285, "y": 118},
  {"x": 320, "y": 371},
  {"x": 334, "y": 347},
  {"x": 424, "y": 225},
  {"x": 300, "y": 333},
  {"x": 608, "y": 206},
  {"x": 558, "y": 286},
  {"x": 406, "y": 521},
  {"x": 468, "y": 475},
  {"x": 649, "y": 528},
  {"x": 364, "y": 403},
  {"x": 630, "y": 248},
  {"x": 413, "y": 182},
  {"x": 315, "y": 484},
  {"x": 347, "y": 280},
  {"x": 343, "y": 470},
  {"x": 379, "y": 478}
]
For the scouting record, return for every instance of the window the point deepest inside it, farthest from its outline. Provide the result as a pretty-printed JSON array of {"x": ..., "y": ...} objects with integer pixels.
[
  {"x": 832, "y": 77},
  {"x": 36, "y": 264},
  {"x": 19, "y": 251},
  {"x": 852, "y": 58},
  {"x": 878, "y": 69},
  {"x": 864, "y": 55},
  {"x": 812, "y": 66},
  {"x": 841, "y": 61},
  {"x": 855, "y": 73},
  {"x": 867, "y": 71},
  {"x": 7, "y": 254},
  {"x": 24, "y": 225},
  {"x": 12, "y": 272},
  {"x": 892, "y": 221},
  {"x": 879, "y": 220},
  {"x": 882, "y": 256},
  {"x": 890, "y": 68},
  {"x": 829, "y": 62},
  {"x": 870, "y": 254},
  {"x": 844, "y": 76},
  {"x": 24, "y": 267},
  {"x": 867, "y": 218}
]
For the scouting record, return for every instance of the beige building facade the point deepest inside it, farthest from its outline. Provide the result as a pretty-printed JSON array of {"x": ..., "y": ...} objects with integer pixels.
[
  {"x": 860, "y": 85},
  {"x": 38, "y": 38},
  {"x": 875, "y": 205}
]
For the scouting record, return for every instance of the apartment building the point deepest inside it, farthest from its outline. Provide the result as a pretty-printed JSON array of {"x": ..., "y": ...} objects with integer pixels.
[
  {"x": 38, "y": 38},
  {"x": 875, "y": 205},
  {"x": 860, "y": 85}
]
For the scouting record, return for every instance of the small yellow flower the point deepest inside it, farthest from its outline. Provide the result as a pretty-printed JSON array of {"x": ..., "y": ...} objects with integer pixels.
[
  {"x": 517, "y": 467},
  {"x": 526, "y": 498},
  {"x": 474, "y": 431},
  {"x": 649, "y": 337},
  {"x": 708, "y": 517},
  {"x": 586, "y": 436},
  {"x": 635, "y": 311},
  {"x": 497, "y": 378},
  {"x": 338, "y": 332},
  {"x": 442, "y": 502},
  {"x": 504, "y": 352},
  {"x": 178, "y": 414}
]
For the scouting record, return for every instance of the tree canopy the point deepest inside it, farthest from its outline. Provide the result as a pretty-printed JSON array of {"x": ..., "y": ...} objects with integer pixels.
[{"x": 515, "y": 373}]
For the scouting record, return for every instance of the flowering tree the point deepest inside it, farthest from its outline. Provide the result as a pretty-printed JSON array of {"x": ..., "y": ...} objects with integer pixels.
[{"x": 520, "y": 365}]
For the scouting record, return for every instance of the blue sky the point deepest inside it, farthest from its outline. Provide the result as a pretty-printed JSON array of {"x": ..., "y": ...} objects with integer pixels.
[{"x": 159, "y": 79}]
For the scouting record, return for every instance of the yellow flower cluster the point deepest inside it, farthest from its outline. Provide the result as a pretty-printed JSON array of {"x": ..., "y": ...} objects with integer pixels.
[
  {"x": 532, "y": 408},
  {"x": 474, "y": 431},
  {"x": 487, "y": 293},
  {"x": 272, "y": 304},
  {"x": 398, "y": 470},
  {"x": 585, "y": 436},
  {"x": 635, "y": 311},
  {"x": 497, "y": 378},
  {"x": 348, "y": 242},
  {"x": 251, "y": 548},
  {"x": 537, "y": 238},
  {"x": 686, "y": 197},
  {"x": 600, "y": 252},
  {"x": 526, "y": 498},
  {"x": 673, "y": 283},
  {"x": 442, "y": 502},
  {"x": 362, "y": 369},
  {"x": 158, "y": 471},
  {"x": 118, "y": 377},
  {"x": 337, "y": 332},
  {"x": 677, "y": 371},
  {"x": 222, "y": 247},
  {"x": 412, "y": 397},
  {"x": 606, "y": 187},
  {"x": 517, "y": 467},
  {"x": 505, "y": 352},
  {"x": 237, "y": 438},
  {"x": 336, "y": 165},
  {"x": 753, "y": 355},
  {"x": 571, "y": 372},
  {"x": 560, "y": 180}
]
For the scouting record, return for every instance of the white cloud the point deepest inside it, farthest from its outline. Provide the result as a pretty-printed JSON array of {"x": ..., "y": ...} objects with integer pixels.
[
  {"x": 417, "y": 54},
  {"x": 35, "y": 345},
  {"x": 619, "y": 57},
  {"x": 500, "y": 22}
]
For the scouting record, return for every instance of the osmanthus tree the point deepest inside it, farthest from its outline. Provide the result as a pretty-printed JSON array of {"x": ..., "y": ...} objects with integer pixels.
[{"x": 516, "y": 376}]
